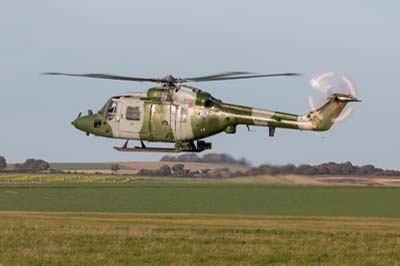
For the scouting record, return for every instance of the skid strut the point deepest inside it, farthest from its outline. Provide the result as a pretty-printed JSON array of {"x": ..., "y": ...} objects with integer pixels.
[{"x": 185, "y": 146}]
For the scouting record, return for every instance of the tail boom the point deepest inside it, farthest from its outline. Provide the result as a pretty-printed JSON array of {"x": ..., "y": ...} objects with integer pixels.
[{"x": 320, "y": 119}]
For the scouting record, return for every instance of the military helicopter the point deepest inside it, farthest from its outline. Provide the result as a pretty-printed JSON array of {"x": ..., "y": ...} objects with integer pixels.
[{"x": 177, "y": 113}]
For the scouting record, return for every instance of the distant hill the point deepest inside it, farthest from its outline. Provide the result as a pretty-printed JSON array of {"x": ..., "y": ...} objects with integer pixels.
[
  {"x": 84, "y": 166},
  {"x": 212, "y": 165},
  {"x": 134, "y": 166}
]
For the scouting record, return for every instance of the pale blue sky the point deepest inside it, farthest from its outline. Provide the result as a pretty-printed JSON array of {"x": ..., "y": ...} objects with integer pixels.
[{"x": 188, "y": 38}]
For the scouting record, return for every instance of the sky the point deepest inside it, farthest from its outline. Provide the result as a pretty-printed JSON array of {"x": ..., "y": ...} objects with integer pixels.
[{"x": 192, "y": 38}]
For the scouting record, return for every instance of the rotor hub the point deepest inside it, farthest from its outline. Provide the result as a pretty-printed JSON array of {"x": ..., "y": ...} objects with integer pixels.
[{"x": 169, "y": 79}]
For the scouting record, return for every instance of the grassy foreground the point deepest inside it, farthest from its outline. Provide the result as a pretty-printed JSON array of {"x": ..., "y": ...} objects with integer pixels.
[
  {"x": 217, "y": 198},
  {"x": 187, "y": 222},
  {"x": 40, "y": 238}
]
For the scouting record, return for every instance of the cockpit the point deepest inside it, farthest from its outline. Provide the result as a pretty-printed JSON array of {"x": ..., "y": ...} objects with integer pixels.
[{"x": 110, "y": 108}]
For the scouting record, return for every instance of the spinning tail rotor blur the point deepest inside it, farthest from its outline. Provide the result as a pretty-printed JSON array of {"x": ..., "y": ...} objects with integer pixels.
[{"x": 328, "y": 83}]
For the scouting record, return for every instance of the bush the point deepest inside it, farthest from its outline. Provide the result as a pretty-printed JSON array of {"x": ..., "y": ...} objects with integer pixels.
[
  {"x": 32, "y": 165},
  {"x": 115, "y": 167},
  {"x": 165, "y": 170},
  {"x": 178, "y": 169},
  {"x": 3, "y": 163},
  {"x": 146, "y": 172}
]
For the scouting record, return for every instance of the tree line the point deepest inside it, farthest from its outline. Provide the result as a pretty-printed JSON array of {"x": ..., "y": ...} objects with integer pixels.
[
  {"x": 3, "y": 163},
  {"x": 207, "y": 158},
  {"x": 324, "y": 169},
  {"x": 330, "y": 168},
  {"x": 165, "y": 170},
  {"x": 29, "y": 166},
  {"x": 178, "y": 169}
]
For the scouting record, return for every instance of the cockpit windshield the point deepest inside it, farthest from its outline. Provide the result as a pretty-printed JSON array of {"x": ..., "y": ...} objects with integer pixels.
[
  {"x": 110, "y": 108},
  {"x": 103, "y": 109}
]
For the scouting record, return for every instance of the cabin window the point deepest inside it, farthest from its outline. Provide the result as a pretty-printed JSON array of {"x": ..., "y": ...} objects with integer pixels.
[{"x": 133, "y": 113}]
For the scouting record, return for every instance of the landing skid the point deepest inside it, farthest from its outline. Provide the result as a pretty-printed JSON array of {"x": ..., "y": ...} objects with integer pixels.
[{"x": 188, "y": 146}]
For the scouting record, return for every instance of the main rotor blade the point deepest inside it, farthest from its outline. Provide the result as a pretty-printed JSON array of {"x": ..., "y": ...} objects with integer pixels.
[
  {"x": 210, "y": 77},
  {"x": 106, "y": 76},
  {"x": 248, "y": 77},
  {"x": 171, "y": 80}
]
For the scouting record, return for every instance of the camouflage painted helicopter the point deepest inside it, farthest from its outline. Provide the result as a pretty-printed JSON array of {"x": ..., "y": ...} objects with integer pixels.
[{"x": 185, "y": 115}]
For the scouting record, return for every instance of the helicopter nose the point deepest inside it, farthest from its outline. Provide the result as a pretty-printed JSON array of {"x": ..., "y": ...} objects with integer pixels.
[
  {"x": 83, "y": 123},
  {"x": 77, "y": 123},
  {"x": 74, "y": 121}
]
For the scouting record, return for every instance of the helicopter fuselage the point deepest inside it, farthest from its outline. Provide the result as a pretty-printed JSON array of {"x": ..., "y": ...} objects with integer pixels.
[{"x": 183, "y": 114}]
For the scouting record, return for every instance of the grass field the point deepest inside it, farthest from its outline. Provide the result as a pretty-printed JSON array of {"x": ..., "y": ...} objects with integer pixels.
[
  {"x": 40, "y": 178},
  {"x": 181, "y": 196},
  {"x": 198, "y": 222},
  {"x": 180, "y": 239}
]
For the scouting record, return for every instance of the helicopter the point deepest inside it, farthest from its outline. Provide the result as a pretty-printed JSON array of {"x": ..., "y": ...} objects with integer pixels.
[{"x": 175, "y": 112}]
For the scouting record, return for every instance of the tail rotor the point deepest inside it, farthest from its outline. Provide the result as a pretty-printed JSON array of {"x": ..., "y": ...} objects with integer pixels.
[
  {"x": 328, "y": 85},
  {"x": 332, "y": 88}
]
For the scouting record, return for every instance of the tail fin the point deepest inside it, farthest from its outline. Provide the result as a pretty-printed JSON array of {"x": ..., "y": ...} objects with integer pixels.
[{"x": 324, "y": 117}]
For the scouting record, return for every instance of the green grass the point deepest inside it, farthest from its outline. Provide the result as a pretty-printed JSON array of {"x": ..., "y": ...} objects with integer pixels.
[
  {"x": 171, "y": 196},
  {"x": 40, "y": 178},
  {"x": 80, "y": 166},
  {"x": 176, "y": 239},
  {"x": 196, "y": 222}
]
